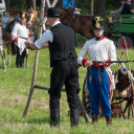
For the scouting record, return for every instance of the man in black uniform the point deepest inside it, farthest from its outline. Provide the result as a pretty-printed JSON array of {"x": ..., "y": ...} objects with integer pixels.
[
  {"x": 63, "y": 59},
  {"x": 127, "y": 9}
]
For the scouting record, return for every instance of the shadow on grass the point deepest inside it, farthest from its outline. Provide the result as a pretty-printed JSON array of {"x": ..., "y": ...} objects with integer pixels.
[{"x": 42, "y": 120}]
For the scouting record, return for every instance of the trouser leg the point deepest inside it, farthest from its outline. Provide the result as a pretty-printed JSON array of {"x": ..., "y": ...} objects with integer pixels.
[
  {"x": 18, "y": 58},
  {"x": 56, "y": 82},
  {"x": 72, "y": 88},
  {"x": 22, "y": 58},
  {"x": 94, "y": 97},
  {"x": 104, "y": 94}
]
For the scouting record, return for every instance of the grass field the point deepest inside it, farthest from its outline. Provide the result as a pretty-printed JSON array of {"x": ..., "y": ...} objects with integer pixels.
[{"x": 14, "y": 90}]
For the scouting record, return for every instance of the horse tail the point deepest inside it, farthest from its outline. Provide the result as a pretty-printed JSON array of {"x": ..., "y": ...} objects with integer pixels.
[{"x": 13, "y": 48}]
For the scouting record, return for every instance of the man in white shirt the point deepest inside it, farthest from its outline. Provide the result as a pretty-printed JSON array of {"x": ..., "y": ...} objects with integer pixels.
[
  {"x": 99, "y": 77},
  {"x": 63, "y": 59},
  {"x": 19, "y": 35}
]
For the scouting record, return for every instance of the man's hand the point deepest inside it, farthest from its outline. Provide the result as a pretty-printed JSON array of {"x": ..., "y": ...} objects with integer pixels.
[
  {"x": 28, "y": 44},
  {"x": 104, "y": 63},
  {"x": 89, "y": 63},
  {"x": 112, "y": 12}
]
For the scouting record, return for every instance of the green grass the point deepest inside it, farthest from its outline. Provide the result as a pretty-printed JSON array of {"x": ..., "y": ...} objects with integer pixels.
[{"x": 14, "y": 89}]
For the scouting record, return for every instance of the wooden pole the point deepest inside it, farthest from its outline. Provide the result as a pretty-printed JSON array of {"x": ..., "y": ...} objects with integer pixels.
[
  {"x": 35, "y": 63},
  {"x": 116, "y": 77},
  {"x": 36, "y": 59},
  {"x": 131, "y": 105},
  {"x": 48, "y": 3},
  {"x": 92, "y": 7},
  {"x": 54, "y": 3}
]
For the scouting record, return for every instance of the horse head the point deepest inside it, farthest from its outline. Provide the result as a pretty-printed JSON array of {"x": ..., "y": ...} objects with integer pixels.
[
  {"x": 66, "y": 15},
  {"x": 32, "y": 17}
]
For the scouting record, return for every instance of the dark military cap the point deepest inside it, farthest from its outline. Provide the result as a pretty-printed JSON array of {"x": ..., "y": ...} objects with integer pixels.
[
  {"x": 23, "y": 15},
  {"x": 98, "y": 23}
]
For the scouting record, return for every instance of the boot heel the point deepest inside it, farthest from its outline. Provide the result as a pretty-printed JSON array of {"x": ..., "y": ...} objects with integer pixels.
[
  {"x": 74, "y": 117},
  {"x": 109, "y": 120},
  {"x": 54, "y": 117}
]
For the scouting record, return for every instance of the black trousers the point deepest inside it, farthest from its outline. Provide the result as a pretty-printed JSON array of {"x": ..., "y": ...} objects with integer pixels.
[
  {"x": 20, "y": 58},
  {"x": 64, "y": 72}
]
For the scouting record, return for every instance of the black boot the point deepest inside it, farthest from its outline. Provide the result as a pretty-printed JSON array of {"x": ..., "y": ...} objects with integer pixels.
[
  {"x": 109, "y": 120},
  {"x": 94, "y": 118},
  {"x": 54, "y": 117},
  {"x": 17, "y": 61},
  {"x": 74, "y": 117},
  {"x": 22, "y": 63}
]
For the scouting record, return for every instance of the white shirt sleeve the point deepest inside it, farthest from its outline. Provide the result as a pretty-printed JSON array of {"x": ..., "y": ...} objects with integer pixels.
[
  {"x": 82, "y": 53},
  {"x": 112, "y": 52},
  {"x": 14, "y": 31},
  {"x": 121, "y": 8},
  {"x": 46, "y": 37}
]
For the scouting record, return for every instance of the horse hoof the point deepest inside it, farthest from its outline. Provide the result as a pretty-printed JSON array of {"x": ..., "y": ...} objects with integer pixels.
[
  {"x": 27, "y": 65},
  {"x": 9, "y": 64},
  {"x": 4, "y": 69}
]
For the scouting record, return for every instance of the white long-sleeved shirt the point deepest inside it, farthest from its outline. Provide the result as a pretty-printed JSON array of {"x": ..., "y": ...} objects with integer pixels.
[
  {"x": 47, "y": 36},
  {"x": 21, "y": 31},
  {"x": 101, "y": 50}
]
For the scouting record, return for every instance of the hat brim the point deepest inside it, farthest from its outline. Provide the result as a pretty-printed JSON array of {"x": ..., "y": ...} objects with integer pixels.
[{"x": 53, "y": 16}]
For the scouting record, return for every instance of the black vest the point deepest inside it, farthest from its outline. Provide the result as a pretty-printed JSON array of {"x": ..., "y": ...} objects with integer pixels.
[{"x": 63, "y": 45}]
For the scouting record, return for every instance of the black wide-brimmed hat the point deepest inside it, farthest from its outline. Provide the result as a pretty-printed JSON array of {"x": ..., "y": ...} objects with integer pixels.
[
  {"x": 98, "y": 23},
  {"x": 53, "y": 12},
  {"x": 23, "y": 15}
]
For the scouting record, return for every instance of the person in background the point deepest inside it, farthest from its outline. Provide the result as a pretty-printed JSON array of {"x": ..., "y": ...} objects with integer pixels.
[
  {"x": 124, "y": 9},
  {"x": 127, "y": 8},
  {"x": 17, "y": 17},
  {"x": 129, "y": 2},
  {"x": 19, "y": 35},
  {"x": 120, "y": 9},
  {"x": 5, "y": 20}
]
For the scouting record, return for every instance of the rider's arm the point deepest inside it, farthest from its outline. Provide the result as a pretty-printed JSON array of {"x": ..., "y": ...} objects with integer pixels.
[
  {"x": 14, "y": 34},
  {"x": 117, "y": 11}
]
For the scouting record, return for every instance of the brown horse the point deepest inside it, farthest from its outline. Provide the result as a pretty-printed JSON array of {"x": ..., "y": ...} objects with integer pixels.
[
  {"x": 31, "y": 22},
  {"x": 80, "y": 24}
]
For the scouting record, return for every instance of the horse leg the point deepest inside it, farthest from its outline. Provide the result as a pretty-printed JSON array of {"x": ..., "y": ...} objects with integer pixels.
[
  {"x": 8, "y": 38},
  {"x": 9, "y": 60},
  {"x": 3, "y": 58},
  {"x": 27, "y": 55}
]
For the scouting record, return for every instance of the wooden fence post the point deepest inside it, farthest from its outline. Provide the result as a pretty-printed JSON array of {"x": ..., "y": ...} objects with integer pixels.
[{"x": 35, "y": 63}]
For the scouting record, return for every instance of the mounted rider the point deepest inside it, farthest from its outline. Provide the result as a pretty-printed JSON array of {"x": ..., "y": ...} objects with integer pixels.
[
  {"x": 124, "y": 9},
  {"x": 99, "y": 77},
  {"x": 19, "y": 35}
]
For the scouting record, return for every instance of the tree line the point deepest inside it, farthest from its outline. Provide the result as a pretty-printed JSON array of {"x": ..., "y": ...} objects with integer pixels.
[{"x": 95, "y": 6}]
